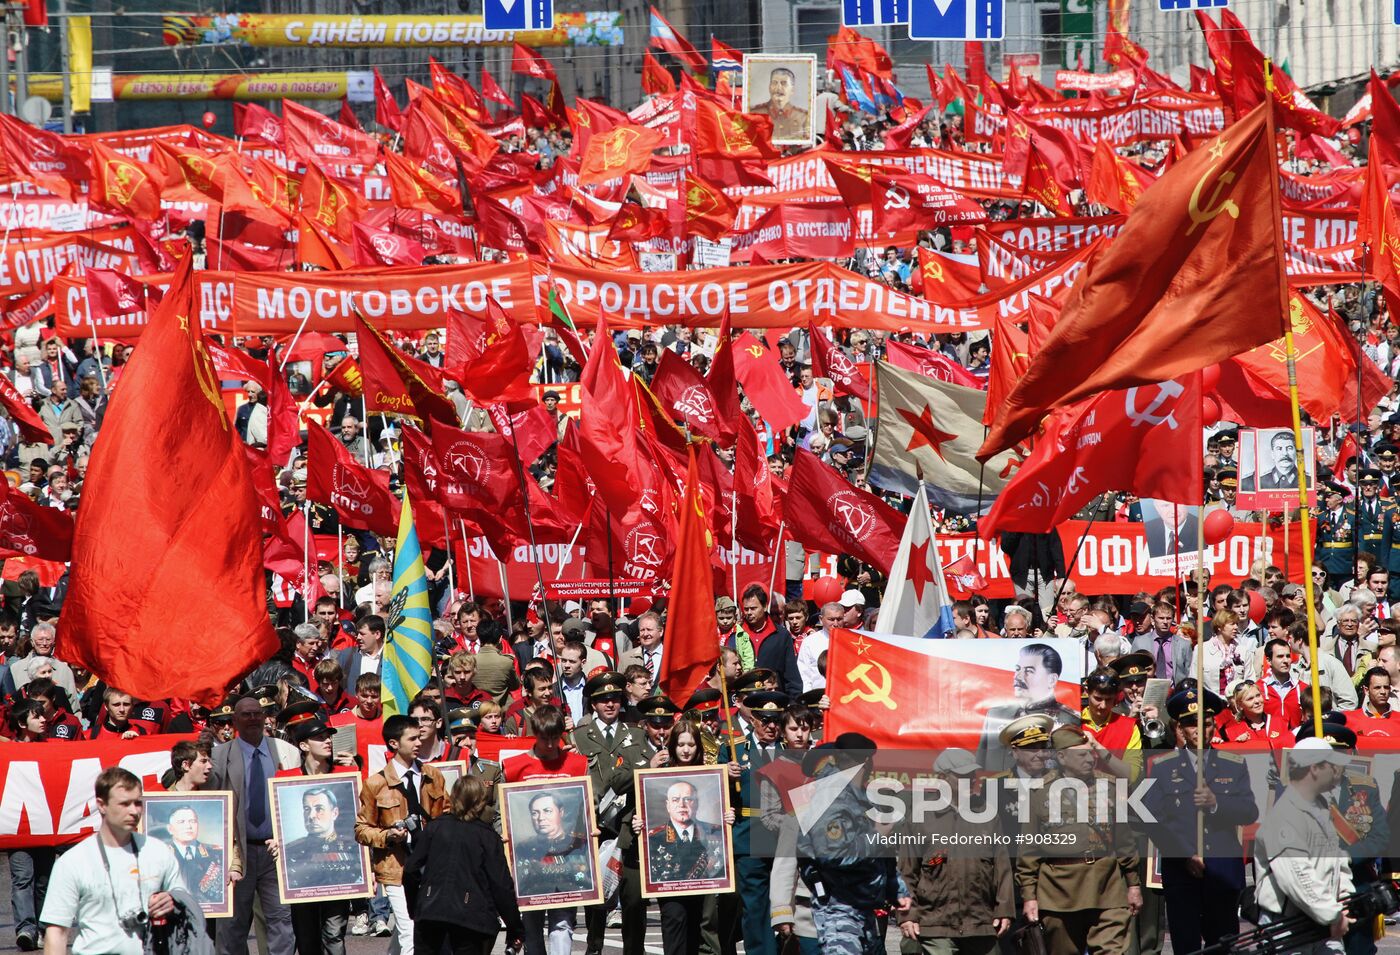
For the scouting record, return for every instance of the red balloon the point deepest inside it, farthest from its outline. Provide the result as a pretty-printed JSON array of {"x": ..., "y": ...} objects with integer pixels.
[
  {"x": 1210, "y": 377},
  {"x": 826, "y": 590},
  {"x": 209, "y": 120},
  {"x": 1210, "y": 411},
  {"x": 1218, "y": 525},
  {"x": 1256, "y": 607}
]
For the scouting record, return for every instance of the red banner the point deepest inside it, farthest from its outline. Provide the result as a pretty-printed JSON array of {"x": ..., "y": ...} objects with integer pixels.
[
  {"x": 1113, "y": 559},
  {"x": 48, "y": 790}
]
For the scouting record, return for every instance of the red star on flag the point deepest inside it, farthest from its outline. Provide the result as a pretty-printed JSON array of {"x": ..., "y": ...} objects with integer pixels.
[
  {"x": 925, "y": 431},
  {"x": 919, "y": 575}
]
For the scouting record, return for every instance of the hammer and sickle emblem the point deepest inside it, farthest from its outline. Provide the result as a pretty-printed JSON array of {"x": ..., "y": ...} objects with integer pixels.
[
  {"x": 873, "y": 692},
  {"x": 896, "y": 198},
  {"x": 934, "y": 270},
  {"x": 1214, "y": 205},
  {"x": 755, "y": 350},
  {"x": 204, "y": 374},
  {"x": 1165, "y": 390}
]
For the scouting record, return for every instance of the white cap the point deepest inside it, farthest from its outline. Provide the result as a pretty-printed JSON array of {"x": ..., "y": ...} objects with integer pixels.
[
  {"x": 853, "y": 598},
  {"x": 571, "y": 605},
  {"x": 959, "y": 762},
  {"x": 1313, "y": 751}
]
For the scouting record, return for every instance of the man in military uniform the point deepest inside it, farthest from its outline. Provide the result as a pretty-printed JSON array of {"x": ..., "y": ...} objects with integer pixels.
[
  {"x": 755, "y": 745},
  {"x": 556, "y": 860},
  {"x": 1202, "y": 889},
  {"x": 685, "y": 848},
  {"x": 1302, "y": 868},
  {"x": 1084, "y": 887},
  {"x": 1388, "y": 457},
  {"x": 1335, "y": 545},
  {"x": 1375, "y": 519},
  {"x": 201, "y": 864},
  {"x": 789, "y": 122},
  {"x": 1027, "y": 739},
  {"x": 1037, "y": 676},
  {"x": 324, "y": 856},
  {"x": 613, "y": 749}
]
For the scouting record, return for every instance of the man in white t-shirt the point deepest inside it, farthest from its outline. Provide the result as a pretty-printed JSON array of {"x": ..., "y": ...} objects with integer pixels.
[{"x": 106, "y": 891}]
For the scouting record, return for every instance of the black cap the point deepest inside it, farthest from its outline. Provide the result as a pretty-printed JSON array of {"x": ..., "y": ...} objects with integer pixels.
[
  {"x": 1334, "y": 488},
  {"x": 1371, "y": 476},
  {"x": 832, "y": 752},
  {"x": 299, "y": 711},
  {"x": 751, "y": 679},
  {"x": 703, "y": 700},
  {"x": 1387, "y": 451},
  {"x": 267, "y": 695},
  {"x": 1133, "y": 667},
  {"x": 767, "y": 704},
  {"x": 658, "y": 707},
  {"x": 1184, "y": 705},
  {"x": 812, "y": 697},
  {"x": 223, "y": 713},
  {"x": 1336, "y": 733},
  {"x": 607, "y": 683}
]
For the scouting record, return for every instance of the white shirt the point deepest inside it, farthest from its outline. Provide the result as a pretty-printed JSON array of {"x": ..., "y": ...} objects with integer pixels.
[
  {"x": 80, "y": 894},
  {"x": 813, "y": 646}
]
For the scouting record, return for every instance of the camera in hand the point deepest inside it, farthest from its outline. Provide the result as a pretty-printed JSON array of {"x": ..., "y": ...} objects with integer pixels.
[{"x": 411, "y": 824}]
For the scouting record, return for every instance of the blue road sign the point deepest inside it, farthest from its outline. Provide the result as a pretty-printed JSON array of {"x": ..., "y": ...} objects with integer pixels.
[
  {"x": 957, "y": 19},
  {"x": 876, "y": 13},
  {"x": 1186, "y": 6},
  {"x": 518, "y": 14}
]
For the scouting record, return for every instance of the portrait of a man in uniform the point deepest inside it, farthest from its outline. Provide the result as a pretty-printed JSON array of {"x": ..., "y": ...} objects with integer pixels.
[
  {"x": 548, "y": 830},
  {"x": 781, "y": 88},
  {"x": 687, "y": 844},
  {"x": 319, "y": 857},
  {"x": 196, "y": 827}
]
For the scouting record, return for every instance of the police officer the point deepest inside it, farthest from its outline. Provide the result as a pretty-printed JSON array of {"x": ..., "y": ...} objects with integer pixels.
[
  {"x": 1301, "y": 867},
  {"x": 613, "y": 749},
  {"x": 1335, "y": 547},
  {"x": 1202, "y": 890},
  {"x": 1361, "y": 821},
  {"x": 1082, "y": 883}
]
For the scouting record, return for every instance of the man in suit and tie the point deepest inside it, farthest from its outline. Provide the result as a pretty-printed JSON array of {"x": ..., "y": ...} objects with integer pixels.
[
  {"x": 364, "y": 657},
  {"x": 649, "y": 646},
  {"x": 1170, "y": 651},
  {"x": 243, "y": 766}
]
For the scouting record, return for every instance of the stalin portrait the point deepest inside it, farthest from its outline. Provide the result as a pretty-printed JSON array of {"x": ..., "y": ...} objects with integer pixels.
[
  {"x": 324, "y": 857},
  {"x": 791, "y": 122}
]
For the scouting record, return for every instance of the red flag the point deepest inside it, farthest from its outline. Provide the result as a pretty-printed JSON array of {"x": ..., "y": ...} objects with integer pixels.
[
  {"x": 479, "y": 478},
  {"x": 622, "y": 151},
  {"x": 347, "y": 117},
  {"x": 492, "y": 90},
  {"x": 1348, "y": 451},
  {"x": 1040, "y": 185},
  {"x": 1109, "y": 441},
  {"x": 1113, "y": 181},
  {"x": 415, "y": 188},
  {"x": 964, "y": 579},
  {"x": 332, "y": 203},
  {"x": 708, "y": 211},
  {"x": 825, "y": 512},
  {"x": 112, "y": 293},
  {"x": 679, "y": 387},
  {"x": 29, "y": 530},
  {"x": 46, "y": 159},
  {"x": 501, "y": 370},
  {"x": 124, "y": 185},
  {"x": 722, "y": 381},
  {"x": 137, "y": 556},
  {"x": 528, "y": 62},
  {"x": 1202, "y": 246},
  {"x": 25, "y": 418},
  {"x": 397, "y": 383},
  {"x": 829, "y": 360},
  {"x": 1011, "y": 356},
  {"x": 692, "y": 642},
  {"x": 346, "y": 377},
  {"x": 531, "y": 430},
  {"x": 316, "y": 246},
  {"x": 666, "y": 37},
  {"x": 386, "y": 108},
  {"x": 759, "y": 511},
  {"x": 656, "y": 80},
  {"x": 314, "y": 138},
  {"x": 766, "y": 385},
  {"x": 252, "y": 121},
  {"x": 376, "y": 247},
  {"x": 930, "y": 363},
  {"x": 608, "y": 438},
  {"x": 283, "y": 419},
  {"x": 723, "y": 132},
  {"x": 360, "y": 496}
]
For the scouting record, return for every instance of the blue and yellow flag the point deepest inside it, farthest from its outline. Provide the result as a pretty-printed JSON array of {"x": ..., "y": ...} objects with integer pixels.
[{"x": 408, "y": 656}]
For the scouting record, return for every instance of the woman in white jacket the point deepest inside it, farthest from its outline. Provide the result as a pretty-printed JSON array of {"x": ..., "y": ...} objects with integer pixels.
[{"x": 1226, "y": 656}]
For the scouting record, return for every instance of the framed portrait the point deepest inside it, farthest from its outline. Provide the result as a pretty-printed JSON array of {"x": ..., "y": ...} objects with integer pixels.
[
  {"x": 783, "y": 88},
  {"x": 198, "y": 828},
  {"x": 686, "y": 848},
  {"x": 313, "y": 821},
  {"x": 1269, "y": 468},
  {"x": 548, "y": 828},
  {"x": 452, "y": 770}
]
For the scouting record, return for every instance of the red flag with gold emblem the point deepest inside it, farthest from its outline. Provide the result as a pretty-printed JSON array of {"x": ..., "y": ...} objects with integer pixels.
[
  {"x": 1113, "y": 181},
  {"x": 622, "y": 151},
  {"x": 692, "y": 641},
  {"x": 331, "y": 204},
  {"x": 1040, "y": 185},
  {"x": 398, "y": 384},
  {"x": 724, "y": 132},
  {"x": 317, "y": 246},
  {"x": 766, "y": 385},
  {"x": 1195, "y": 276},
  {"x": 415, "y": 188},
  {"x": 188, "y": 175},
  {"x": 123, "y": 185},
  {"x": 708, "y": 211},
  {"x": 656, "y": 79},
  {"x": 138, "y": 555},
  {"x": 1011, "y": 356}
]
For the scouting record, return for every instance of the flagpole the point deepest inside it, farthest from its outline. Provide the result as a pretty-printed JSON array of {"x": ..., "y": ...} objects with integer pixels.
[
  {"x": 451, "y": 578},
  {"x": 568, "y": 554},
  {"x": 777, "y": 556},
  {"x": 529, "y": 525},
  {"x": 364, "y": 416},
  {"x": 300, "y": 328},
  {"x": 466, "y": 552},
  {"x": 1200, "y": 667},
  {"x": 1290, "y": 350},
  {"x": 734, "y": 544},
  {"x": 1079, "y": 547},
  {"x": 306, "y": 553}
]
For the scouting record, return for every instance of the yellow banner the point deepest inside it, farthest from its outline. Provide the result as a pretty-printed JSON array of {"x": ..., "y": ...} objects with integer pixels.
[
  {"x": 258, "y": 29},
  {"x": 80, "y": 62},
  {"x": 357, "y": 85}
]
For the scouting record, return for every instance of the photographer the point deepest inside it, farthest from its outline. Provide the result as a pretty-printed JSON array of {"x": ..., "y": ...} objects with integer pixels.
[
  {"x": 1297, "y": 847},
  {"x": 395, "y": 803}
]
